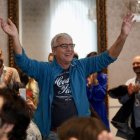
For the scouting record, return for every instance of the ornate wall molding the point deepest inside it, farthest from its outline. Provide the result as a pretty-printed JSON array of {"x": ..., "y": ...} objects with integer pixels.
[
  {"x": 101, "y": 26},
  {"x": 13, "y": 15},
  {"x": 101, "y": 32}
]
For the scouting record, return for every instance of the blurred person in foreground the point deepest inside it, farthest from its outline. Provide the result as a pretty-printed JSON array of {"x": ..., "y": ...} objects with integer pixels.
[
  {"x": 84, "y": 128},
  {"x": 33, "y": 132},
  {"x": 14, "y": 116}
]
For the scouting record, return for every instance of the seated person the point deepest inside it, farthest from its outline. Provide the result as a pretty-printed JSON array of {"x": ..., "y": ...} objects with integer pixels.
[
  {"x": 14, "y": 116},
  {"x": 83, "y": 128}
]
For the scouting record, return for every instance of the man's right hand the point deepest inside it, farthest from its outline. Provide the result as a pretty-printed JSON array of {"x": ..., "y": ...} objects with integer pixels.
[{"x": 9, "y": 27}]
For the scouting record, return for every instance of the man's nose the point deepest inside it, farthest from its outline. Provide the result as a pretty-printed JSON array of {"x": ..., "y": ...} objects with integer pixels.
[
  {"x": 136, "y": 65},
  {"x": 69, "y": 47}
]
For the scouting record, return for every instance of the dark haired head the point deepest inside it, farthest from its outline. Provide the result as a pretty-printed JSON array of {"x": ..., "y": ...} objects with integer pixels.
[
  {"x": 81, "y": 128},
  {"x": 17, "y": 86},
  {"x": 24, "y": 78},
  {"x": 14, "y": 111},
  {"x": 92, "y": 54},
  {"x": 75, "y": 55}
]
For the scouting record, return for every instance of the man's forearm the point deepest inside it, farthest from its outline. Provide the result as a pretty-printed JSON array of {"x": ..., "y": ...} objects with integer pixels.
[
  {"x": 116, "y": 48},
  {"x": 16, "y": 45}
]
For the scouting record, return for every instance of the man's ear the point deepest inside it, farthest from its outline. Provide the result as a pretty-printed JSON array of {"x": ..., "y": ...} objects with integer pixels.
[
  {"x": 7, "y": 127},
  {"x": 53, "y": 51}
]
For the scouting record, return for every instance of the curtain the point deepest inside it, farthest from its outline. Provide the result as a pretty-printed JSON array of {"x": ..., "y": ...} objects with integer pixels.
[
  {"x": 74, "y": 18},
  {"x": 40, "y": 20}
]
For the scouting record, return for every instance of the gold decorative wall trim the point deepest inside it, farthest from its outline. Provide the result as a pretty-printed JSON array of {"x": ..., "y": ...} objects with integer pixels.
[
  {"x": 13, "y": 15},
  {"x": 101, "y": 25},
  {"x": 102, "y": 35}
]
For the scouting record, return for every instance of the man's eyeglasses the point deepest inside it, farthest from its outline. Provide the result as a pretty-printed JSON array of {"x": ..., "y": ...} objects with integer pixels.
[{"x": 65, "y": 46}]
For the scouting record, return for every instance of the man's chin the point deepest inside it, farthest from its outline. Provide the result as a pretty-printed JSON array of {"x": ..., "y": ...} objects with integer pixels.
[
  {"x": 68, "y": 60},
  {"x": 137, "y": 72}
]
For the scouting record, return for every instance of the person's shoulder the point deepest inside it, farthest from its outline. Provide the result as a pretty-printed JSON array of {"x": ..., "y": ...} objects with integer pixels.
[
  {"x": 12, "y": 68},
  {"x": 8, "y": 69}
]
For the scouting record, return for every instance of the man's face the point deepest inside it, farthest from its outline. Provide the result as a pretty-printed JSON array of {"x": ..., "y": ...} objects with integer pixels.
[
  {"x": 136, "y": 64},
  {"x": 64, "y": 50}
]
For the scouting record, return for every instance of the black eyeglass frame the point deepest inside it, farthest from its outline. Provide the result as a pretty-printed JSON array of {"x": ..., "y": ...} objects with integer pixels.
[{"x": 65, "y": 46}]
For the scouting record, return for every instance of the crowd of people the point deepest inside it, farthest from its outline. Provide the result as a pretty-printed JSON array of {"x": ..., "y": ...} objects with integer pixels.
[{"x": 68, "y": 89}]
